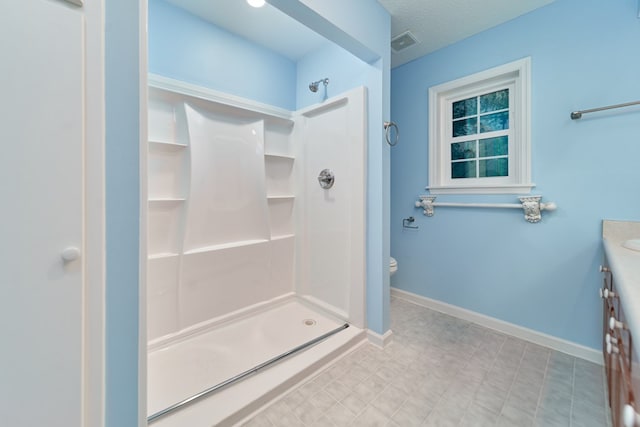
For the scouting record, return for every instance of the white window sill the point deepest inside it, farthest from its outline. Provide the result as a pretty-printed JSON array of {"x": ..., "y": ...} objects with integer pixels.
[{"x": 479, "y": 189}]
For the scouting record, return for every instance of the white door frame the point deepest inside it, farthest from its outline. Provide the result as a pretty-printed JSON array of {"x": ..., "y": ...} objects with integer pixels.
[
  {"x": 94, "y": 217},
  {"x": 142, "y": 296}
]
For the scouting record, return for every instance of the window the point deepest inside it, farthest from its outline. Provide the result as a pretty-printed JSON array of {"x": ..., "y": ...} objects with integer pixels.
[{"x": 479, "y": 132}]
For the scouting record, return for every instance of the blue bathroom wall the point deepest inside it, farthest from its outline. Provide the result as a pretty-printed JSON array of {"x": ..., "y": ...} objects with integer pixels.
[
  {"x": 185, "y": 47},
  {"x": 343, "y": 70},
  {"x": 122, "y": 212},
  {"x": 541, "y": 276}
]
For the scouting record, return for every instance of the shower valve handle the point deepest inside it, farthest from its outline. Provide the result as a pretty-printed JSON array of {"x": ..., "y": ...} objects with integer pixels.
[{"x": 326, "y": 179}]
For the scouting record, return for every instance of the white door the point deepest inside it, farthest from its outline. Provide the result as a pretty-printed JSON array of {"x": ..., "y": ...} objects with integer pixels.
[{"x": 41, "y": 213}]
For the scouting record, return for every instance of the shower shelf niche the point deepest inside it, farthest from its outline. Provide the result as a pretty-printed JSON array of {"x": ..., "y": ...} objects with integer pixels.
[
  {"x": 280, "y": 156},
  {"x": 163, "y": 255},
  {"x": 279, "y": 175},
  {"x": 281, "y": 197},
  {"x": 224, "y": 246},
  {"x": 167, "y": 144},
  {"x": 166, "y": 200}
]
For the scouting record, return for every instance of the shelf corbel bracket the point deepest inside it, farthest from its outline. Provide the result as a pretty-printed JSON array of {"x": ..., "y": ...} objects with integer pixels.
[
  {"x": 532, "y": 207},
  {"x": 426, "y": 203}
]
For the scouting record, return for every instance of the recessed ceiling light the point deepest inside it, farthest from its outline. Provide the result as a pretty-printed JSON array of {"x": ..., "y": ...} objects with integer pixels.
[{"x": 256, "y": 3}]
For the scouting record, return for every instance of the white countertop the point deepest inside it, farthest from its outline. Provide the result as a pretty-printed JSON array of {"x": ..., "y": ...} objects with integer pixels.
[{"x": 625, "y": 267}]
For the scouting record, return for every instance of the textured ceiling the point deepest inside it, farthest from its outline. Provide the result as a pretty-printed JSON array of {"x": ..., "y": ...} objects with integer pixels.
[{"x": 434, "y": 23}]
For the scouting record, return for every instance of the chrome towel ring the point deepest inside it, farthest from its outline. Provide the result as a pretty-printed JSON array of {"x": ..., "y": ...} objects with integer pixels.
[{"x": 387, "y": 126}]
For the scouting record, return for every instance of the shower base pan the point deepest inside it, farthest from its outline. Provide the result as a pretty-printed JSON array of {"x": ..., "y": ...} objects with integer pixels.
[{"x": 186, "y": 367}]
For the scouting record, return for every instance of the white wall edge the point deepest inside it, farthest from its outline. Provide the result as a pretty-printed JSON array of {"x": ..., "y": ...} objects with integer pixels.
[
  {"x": 144, "y": 196},
  {"x": 94, "y": 280},
  {"x": 564, "y": 346},
  {"x": 380, "y": 340}
]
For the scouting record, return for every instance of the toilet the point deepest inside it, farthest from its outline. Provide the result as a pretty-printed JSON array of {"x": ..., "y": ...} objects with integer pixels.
[{"x": 393, "y": 266}]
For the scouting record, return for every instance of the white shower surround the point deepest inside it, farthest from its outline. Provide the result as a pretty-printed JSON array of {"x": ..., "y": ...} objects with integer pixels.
[{"x": 277, "y": 236}]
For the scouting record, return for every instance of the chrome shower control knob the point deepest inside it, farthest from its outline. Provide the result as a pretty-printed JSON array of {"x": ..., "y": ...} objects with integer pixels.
[{"x": 326, "y": 179}]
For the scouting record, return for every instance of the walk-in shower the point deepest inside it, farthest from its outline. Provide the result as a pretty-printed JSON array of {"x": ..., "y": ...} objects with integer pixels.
[
  {"x": 250, "y": 258},
  {"x": 313, "y": 86}
]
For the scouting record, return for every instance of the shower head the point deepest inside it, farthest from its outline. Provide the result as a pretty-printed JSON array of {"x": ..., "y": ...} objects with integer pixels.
[{"x": 313, "y": 86}]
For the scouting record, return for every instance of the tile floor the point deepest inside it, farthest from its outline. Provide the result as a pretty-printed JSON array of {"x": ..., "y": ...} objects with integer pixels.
[{"x": 443, "y": 371}]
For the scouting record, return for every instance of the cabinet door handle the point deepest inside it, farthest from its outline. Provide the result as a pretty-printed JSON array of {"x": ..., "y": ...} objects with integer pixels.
[
  {"x": 606, "y": 293},
  {"x": 616, "y": 324},
  {"x": 630, "y": 418}
]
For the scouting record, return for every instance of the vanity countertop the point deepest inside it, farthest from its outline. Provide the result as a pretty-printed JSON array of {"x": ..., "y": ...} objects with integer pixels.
[{"x": 625, "y": 266}]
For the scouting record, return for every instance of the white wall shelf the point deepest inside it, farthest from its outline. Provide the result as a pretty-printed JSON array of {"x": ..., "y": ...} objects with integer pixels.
[
  {"x": 281, "y": 197},
  {"x": 283, "y": 236},
  {"x": 223, "y": 246},
  {"x": 280, "y": 156},
  {"x": 279, "y": 175},
  {"x": 167, "y": 144},
  {"x": 163, "y": 255},
  {"x": 166, "y": 200}
]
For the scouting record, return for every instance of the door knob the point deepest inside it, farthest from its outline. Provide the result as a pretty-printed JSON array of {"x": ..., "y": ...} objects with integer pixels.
[{"x": 71, "y": 253}]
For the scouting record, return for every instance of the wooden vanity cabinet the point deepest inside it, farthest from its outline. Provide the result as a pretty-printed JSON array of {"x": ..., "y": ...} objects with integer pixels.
[{"x": 618, "y": 352}]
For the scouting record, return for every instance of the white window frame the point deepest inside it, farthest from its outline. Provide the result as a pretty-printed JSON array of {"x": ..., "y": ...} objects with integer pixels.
[{"x": 515, "y": 75}]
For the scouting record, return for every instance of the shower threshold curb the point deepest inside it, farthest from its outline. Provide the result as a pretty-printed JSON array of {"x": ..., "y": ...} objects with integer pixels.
[{"x": 234, "y": 404}]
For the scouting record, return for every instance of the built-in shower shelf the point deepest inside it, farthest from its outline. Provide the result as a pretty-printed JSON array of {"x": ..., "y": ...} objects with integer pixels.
[
  {"x": 281, "y": 197},
  {"x": 280, "y": 156},
  {"x": 222, "y": 246},
  {"x": 166, "y": 200},
  {"x": 283, "y": 236},
  {"x": 167, "y": 144},
  {"x": 162, "y": 255}
]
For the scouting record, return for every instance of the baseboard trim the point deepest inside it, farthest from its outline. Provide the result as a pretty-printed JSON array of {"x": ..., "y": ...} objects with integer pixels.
[
  {"x": 379, "y": 340},
  {"x": 535, "y": 337}
]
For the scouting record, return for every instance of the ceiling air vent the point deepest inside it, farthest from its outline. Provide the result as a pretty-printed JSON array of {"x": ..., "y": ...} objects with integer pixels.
[{"x": 403, "y": 41}]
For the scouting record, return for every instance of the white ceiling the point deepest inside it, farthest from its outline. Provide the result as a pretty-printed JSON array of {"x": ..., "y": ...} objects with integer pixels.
[
  {"x": 434, "y": 23},
  {"x": 266, "y": 26},
  {"x": 439, "y": 23}
]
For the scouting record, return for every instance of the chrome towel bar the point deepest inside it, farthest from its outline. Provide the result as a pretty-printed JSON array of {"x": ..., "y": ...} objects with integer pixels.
[{"x": 578, "y": 114}]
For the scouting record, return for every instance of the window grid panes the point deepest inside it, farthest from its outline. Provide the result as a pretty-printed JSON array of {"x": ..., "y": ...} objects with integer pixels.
[
  {"x": 472, "y": 156},
  {"x": 479, "y": 132},
  {"x": 484, "y": 113}
]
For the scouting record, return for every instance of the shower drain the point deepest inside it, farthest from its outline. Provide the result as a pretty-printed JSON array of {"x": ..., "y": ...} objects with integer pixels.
[{"x": 309, "y": 322}]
